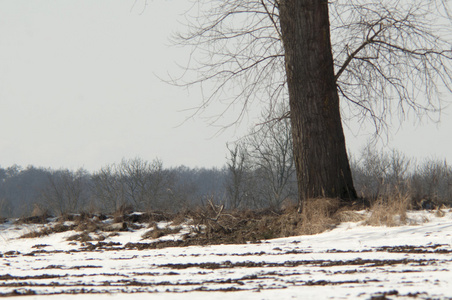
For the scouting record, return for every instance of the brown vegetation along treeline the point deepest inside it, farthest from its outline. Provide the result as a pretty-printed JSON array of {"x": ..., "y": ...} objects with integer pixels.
[{"x": 213, "y": 224}]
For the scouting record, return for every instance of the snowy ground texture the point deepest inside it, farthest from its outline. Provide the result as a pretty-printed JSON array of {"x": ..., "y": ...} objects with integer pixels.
[{"x": 352, "y": 261}]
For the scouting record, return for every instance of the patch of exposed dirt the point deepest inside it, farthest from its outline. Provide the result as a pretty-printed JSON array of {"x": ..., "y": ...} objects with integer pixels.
[
  {"x": 19, "y": 292},
  {"x": 320, "y": 263},
  {"x": 416, "y": 249},
  {"x": 57, "y": 228},
  {"x": 43, "y": 276}
]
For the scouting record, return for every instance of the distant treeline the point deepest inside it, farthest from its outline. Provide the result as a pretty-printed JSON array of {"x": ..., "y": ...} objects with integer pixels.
[
  {"x": 136, "y": 183},
  {"x": 259, "y": 173}
]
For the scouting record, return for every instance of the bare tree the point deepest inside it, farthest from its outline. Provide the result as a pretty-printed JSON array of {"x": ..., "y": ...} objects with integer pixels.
[
  {"x": 66, "y": 191},
  {"x": 161, "y": 188},
  {"x": 271, "y": 153},
  {"x": 400, "y": 169},
  {"x": 238, "y": 183},
  {"x": 107, "y": 189},
  {"x": 379, "y": 56},
  {"x": 181, "y": 192},
  {"x": 145, "y": 184},
  {"x": 133, "y": 174},
  {"x": 378, "y": 173}
]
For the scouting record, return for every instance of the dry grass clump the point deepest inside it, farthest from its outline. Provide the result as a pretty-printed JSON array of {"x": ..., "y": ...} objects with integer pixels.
[
  {"x": 88, "y": 225},
  {"x": 81, "y": 237},
  {"x": 86, "y": 237},
  {"x": 319, "y": 215},
  {"x": 180, "y": 218},
  {"x": 123, "y": 210},
  {"x": 35, "y": 234},
  {"x": 35, "y": 219},
  {"x": 125, "y": 214},
  {"x": 348, "y": 216},
  {"x": 157, "y": 232},
  {"x": 390, "y": 210},
  {"x": 440, "y": 213},
  {"x": 57, "y": 228}
]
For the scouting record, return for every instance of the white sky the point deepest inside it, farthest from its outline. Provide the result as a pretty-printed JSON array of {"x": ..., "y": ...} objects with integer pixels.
[{"x": 79, "y": 88}]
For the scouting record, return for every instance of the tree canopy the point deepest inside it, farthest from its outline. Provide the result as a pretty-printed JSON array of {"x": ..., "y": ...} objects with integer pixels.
[{"x": 391, "y": 58}]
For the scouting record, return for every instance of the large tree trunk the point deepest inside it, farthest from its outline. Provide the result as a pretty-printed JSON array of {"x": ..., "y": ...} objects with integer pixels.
[{"x": 320, "y": 154}]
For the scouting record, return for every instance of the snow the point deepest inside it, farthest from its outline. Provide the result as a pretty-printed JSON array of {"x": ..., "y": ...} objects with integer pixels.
[{"x": 352, "y": 261}]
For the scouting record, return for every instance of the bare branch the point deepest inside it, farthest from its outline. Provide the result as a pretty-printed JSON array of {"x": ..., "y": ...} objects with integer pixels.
[{"x": 392, "y": 58}]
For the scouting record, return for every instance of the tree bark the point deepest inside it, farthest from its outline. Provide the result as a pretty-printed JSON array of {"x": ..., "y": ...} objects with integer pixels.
[{"x": 321, "y": 159}]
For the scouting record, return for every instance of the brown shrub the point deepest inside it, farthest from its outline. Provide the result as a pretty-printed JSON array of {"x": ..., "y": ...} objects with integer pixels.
[
  {"x": 88, "y": 225},
  {"x": 390, "y": 210},
  {"x": 440, "y": 213},
  {"x": 180, "y": 218},
  {"x": 124, "y": 209},
  {"x": 243, "y": 226},
  {"x": 348, "y": 216},
  {"x": 156, "y": 232},
  {"x": 37, "y": 219},
  {"x": 81, "y": 237},
  {"x": 47, "y": 231},
  {"x": 319, "y": 215}
]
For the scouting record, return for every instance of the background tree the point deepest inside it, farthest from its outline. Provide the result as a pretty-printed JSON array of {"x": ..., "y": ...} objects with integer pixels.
[
  {"x": 378, "y": 173},
  {"x": 67, "y": 191},
  {"x": 107, "y": 189},
  {"x": 5, "y": 208},
  {"x": 20, "y": 188},
  {"x": 237, "y": 183},
  {"x": 183, "y": 190},
  {"x": 382, "y": 56},
  {"x": 144, "y": 183},
  {"x": 270, "y": 151},
  {"x": 247, "y": 185}
]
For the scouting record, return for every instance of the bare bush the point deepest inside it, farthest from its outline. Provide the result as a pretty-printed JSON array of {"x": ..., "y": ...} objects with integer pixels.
[
  {"x": 382, "y": 175},
  {"x": 432, "y": 181}
]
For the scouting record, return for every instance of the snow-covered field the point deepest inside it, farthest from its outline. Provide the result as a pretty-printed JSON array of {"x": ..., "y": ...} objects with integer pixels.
[{"x": 352, "y": 261}]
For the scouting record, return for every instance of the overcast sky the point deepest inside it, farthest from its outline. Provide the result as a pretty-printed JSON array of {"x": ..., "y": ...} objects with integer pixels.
[{"x": 80, "y": 87}]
